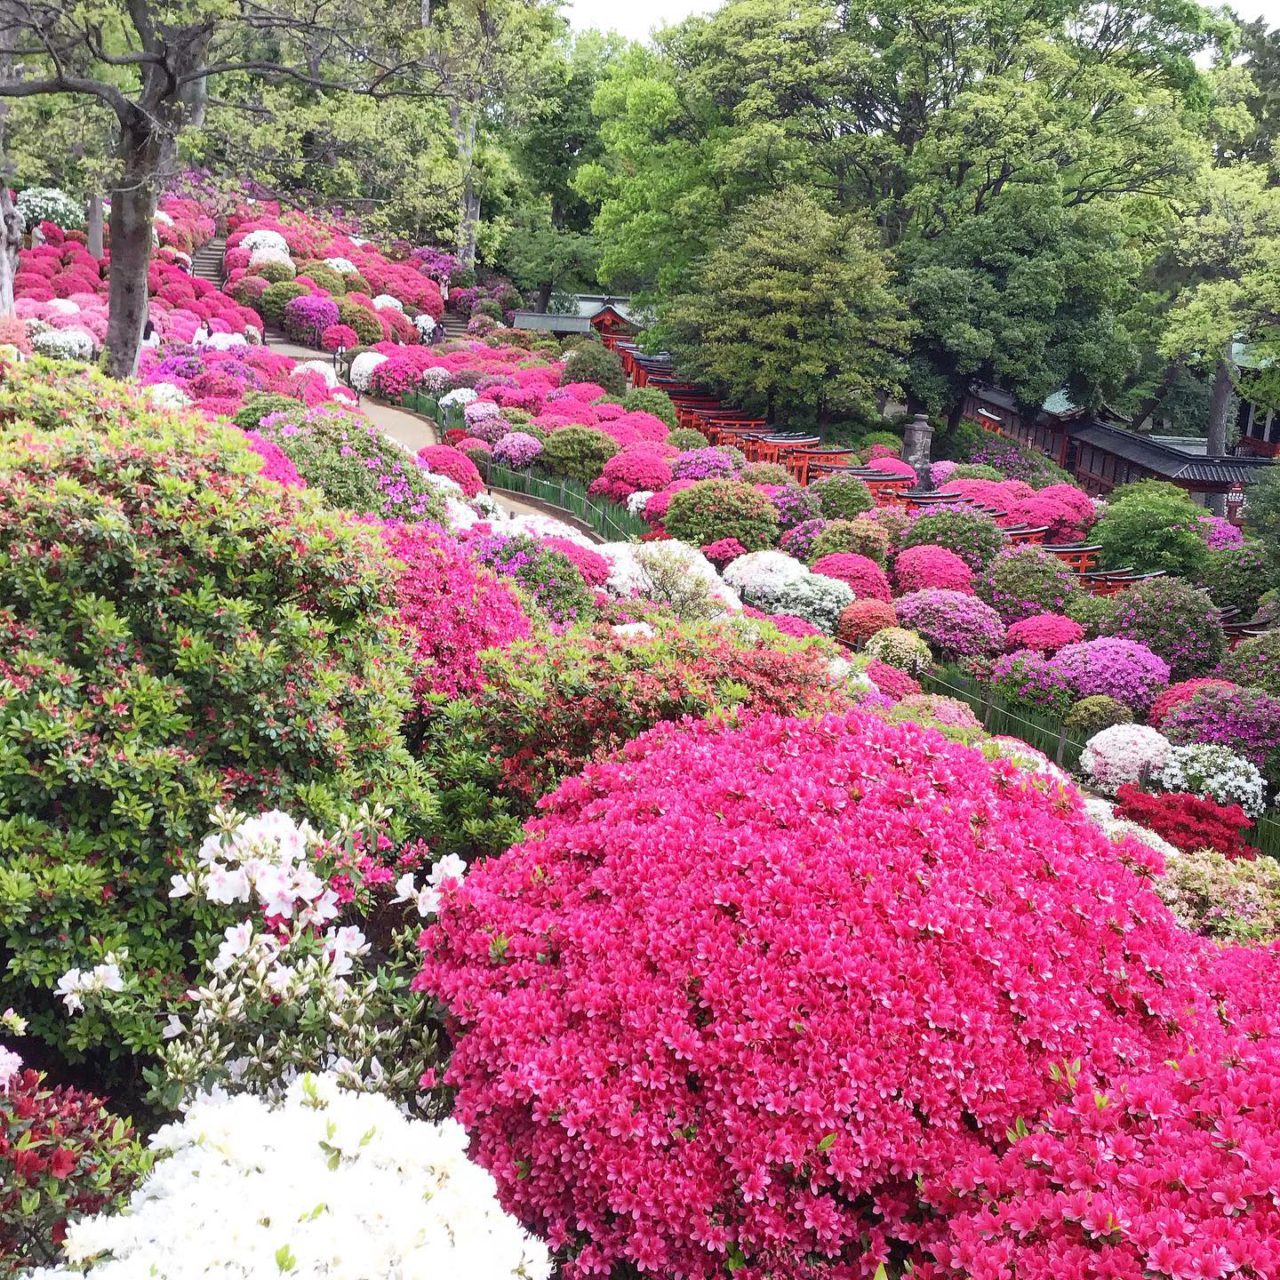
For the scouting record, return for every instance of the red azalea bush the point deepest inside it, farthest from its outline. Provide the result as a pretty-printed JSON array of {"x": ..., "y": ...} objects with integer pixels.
[
  {"x": 919, "y": 568},
  {"x": 452, "y": 608},
  {"x": 860, "y": 572},
  {"x": 635, "y": 468},
  {"x": 1183, "y": 691},
  {"x": 442, "y": 460},
  {"x": 1188, "y": 822},
  {"x": 760, "y": 992},
  {"x": 1044, "y": 632},
  {"x": 339, "y": 335},
  {"x": 724, "y": 552},
  {"x": 892, "y": 682},
  {"x": 61, "y": 1155},
  {"x": 863, "y": 618}
]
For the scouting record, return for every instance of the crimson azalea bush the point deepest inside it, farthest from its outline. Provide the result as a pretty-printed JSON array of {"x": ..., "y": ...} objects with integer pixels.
[
  {"x": 891, "y": 681},
  {"x": 860, "y": 620},
  {"x": 1025, "y": 580},
  {"x": 62, "y": 1154},
  {"x": 761, "y": 993},
  {"x": 453, "y": 464},
  {"x": 1045, "y": 632},
  {"x": 1187, "y": 821},
  {"x": 954, "y": 623},
  {"x": 174, "y": 634},
  {"x": 860, "y": 572},
  {"x": 451, "y": 608},
  {"x": 547, "y": 708},
  {"x": 918, "y": 568},
  {"x": 710, "y": 510},
  {"x": 1173, "y": 619}
]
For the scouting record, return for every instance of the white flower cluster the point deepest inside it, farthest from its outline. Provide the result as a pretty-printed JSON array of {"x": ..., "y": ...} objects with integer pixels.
[
  {"x": 460, "y": 395},
  {"x": 362, "y": 368},
  {"x": 167, "y": 395},
  {"x": 426, "y": 898},
  {"x": 265, "y": 239},
  {"x": 637, "y": 501},
  {"x": 63, "y": 307},
  {"x": 343, "y": 266},
  {"x": 321, "y": 367},
  {"x": 633, "y": 631},
  {"x": 1103, "y": 815},
  {"x": 759, "y": 576},
  {"x": 327, "y": 1183},
  {"x": 270, "y": 254},
  {"x": 10, "y": 1065},
  {"x": 164, "y": 219},
  {"x": 540, "y": 526},
  {"x": 1123, "y": 753},
  {"x": 65, "y": 344},
  {"x": 48, "y": 204},
  {"x": 1215, "y": 773},
  {"x": 227, "y": 341},
  {"x": 385, "y": 302},
  {"x": 815, "y": 598},
  {"x": 424, "y": 324},
  {"x": 75, "y": 984},
  {"x": 435, "y": 379}
]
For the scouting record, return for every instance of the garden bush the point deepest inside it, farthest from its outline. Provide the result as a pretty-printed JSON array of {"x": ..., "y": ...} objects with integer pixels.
[
  {"x": 860, "y": 620},
  {"x": 1090, "y": 611},
  {"x": 593, "y": 362},
  {"x": 767, "y": 473},
  {"x": 1230, "y": 901},
  {"x": 719, "y": 462},
  {"x": 441, "y": 460},
  {"x": 816, "y": 599},
  {"x": 1091, "y": 715},
  {"x": 1237, "y": 577},
  {"x": 1122, "y": 669},
  {"x": 324, "y": 277},
  {"x": 1028, "y": 681},
  {"x": 545, "y": 709},
  {"x": 861, "y": 573},
  {"x": 656, "y": 908},
  {"x": 841, "y": 497},
  {"x": 859, "y": 537},
  {"x": 954, "y": 623},
  {"x": 262, "y": 404},
  {"x": 918, "y": 568},
  {"x": 900, "y": 648},
  {"x": 1152, "y": 525},
  {"x": 1123, "y": 754},
  {"x": 361, "y": 319},
  {"x": 278, "y": 296},
  {"x": 548, "y": 576},
  {"x": 1026, "y": 580},
  {"x": 1245, "y": 720},
  {"x": 579, "y": 453},
  {"x": 655, "y": 401},
  {"x": 1254, "y": 662},
  {"x": 1187, "y": 822},
  {"x": 974, "y": 537},
  {"x": 1174, "y": 620},
  {"x": 713, "y": 509},
  {"x": 794, "y": 505},
  {"x": 1214, "y": 773},
  {"x": 1045, "y": 632},
  {"x": 1181, "y": 692},
  {"x": 177, "y": 635},
  {"x": 685, "y": 438}
]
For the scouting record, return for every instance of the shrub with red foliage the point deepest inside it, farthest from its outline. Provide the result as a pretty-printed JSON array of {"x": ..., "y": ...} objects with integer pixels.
[
  {"x": 919, "y": 568},
  {"x": 890, "y": 681},
  {"x": 442, "y": 460},
  {"x": 339, "y": 335},
  {"x": 1176, "y": 694},
  {"x": 452, "y": 608},
  {"x": 752, "y": 991},
  {"x": 861, "y": 573},
  {"x": 863, "y": 618},
  {"x": 1187, "y": 821},
  {"x": 1043, "y": 632}
]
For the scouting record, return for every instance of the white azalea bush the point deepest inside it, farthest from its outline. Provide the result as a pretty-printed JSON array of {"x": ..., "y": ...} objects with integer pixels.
[
  {"x": 424, "y": 324},
  {"x": 166, "y": 395},
  {"x": 815, "y": 598},
  {"x": 265, "y": 239},
  {"x": 435, "y": 380},
  {"x": 320, "y": 367},
  {"x": 48, "y": 204},
  {"x": 1215, "y": 773},
  {"x": 65, "y": 344},
  {"x": 343, "y": 266},
  {"x": 760, "y": 576},
  {"x": 269, "y": 254},
  {"x": 1102, "y": 813},
  {"x": 362, "y": 368},
  {"x": 323, "y": 1182},
  {"x": 1123, "y": 753},
  {"x": 386, "y": 302},
  {"x": 459, "y": 396}
]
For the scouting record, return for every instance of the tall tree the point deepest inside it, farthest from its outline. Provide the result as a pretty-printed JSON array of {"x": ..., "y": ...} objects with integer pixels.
[{"x": 793, "y": 312}]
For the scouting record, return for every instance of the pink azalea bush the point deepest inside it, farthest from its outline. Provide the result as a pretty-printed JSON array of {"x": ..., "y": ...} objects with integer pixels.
[
  {"x": 443, "y": 460},
  {"x": 637, "y": 467},
  {"x": 860, "y": 572},
  {"x": 918, "y": 568},
  {"x": 954, "y": 623},
  {"x": 772, "y": 994},
  {"x": 1044, "y": 632},
  {"x": 1121, "y": 669}
]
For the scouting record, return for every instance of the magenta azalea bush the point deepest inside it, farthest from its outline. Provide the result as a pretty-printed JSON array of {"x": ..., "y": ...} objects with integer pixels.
[
  {"x": 1122, "y": 669},
  {"x": 954, "y": 623},
  {"x": 1045, "y": 632},
  {"x": 1027, "y": 679},
  {"x": 861, "y": 573},
  {"x": 1245, "y": 720},
  {"x": 772, "y": 995},
  {"x": 918, "y": 568}
]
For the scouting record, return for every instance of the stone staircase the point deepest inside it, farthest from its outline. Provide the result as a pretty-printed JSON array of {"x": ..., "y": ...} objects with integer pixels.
[
  {"x": 206, "y": 262},
  {"x": 454, "y": 325}
]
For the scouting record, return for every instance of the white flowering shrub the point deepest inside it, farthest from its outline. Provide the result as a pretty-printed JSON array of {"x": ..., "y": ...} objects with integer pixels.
[
  {"x": 435, "y": 380},
  {"x": 385, "y": 302},
  {"x": 167, "y": 395},
  {"x": 681, "y": 577},
  {"x": 270, "y": 254},
  {"x": 229, "y": 341},
  {"x": 343, "y": 266},
  {"x": 321, "y": 367},
  {"x": 362, "y": 368},
  {"x": 901, "y": 648},
  {"x": 162, "y": 219},
  {"x": 64, "y": 344},
  {"x": 424, "y": 324},
  {"x": 815, "y": 598},
  {"x": 626, "y": 574},
  {"x": 758, "y": 576},
  {"x": 49, "y": 204},
  {"x": 63, "y": 307},
  {"x": 265, "y": 239},
  {"x": 637, "y": 501},
  {"x": 1215, "y": 773},
  {"x": 325, "y": 1182},
  {"x": 1123, "y": 753},
  {"x": 460, "y": 396}
]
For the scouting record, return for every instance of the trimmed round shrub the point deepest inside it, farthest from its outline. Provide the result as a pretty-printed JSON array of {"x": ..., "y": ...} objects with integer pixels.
[
  {"x": 1181, "y": 692},
  {"x": 307, "y": 316},
  {"x": 1123, "y": 754},
  {"x": 685, "y": 438},
  {"x": 1093, "y": 714},
  {"x": 1122, "y": 669},
  {"x": 798, "y": 542},
  {"x": 767, "y": 473},
  {"x": 974, "y": 537},
  {"x": 713, "y": 509},
  {"x": 635, "y": 469},
  {"x": 274, "y": 271},
  {"x": 276, "y": 297},
  {"x": 894, "y": 683},
  {"x": 655, "y": 401},
  {"x": 1247, "y": 721},
  {"x": 1186, "y": 821},
  {"x": 1254, "y": 662},
  {"x": 854, "y": 537},
  {"x": 1215, "y": 773},
  {"x": 918, "y": 568},
  {"x": 737, "y": 1041},
  {"x": 974, "y": 471},
  {"x": 1028, "y": 681},
  {"x": 578, "y": 453},
  {"x": 323, "y": 276},
  {"x": 1238, "y": 577},
  {"x": 900, "y": 648},
  {"x": 1152, "y": 525},
  {"x": 548, "y": 576},
  {"x": 259, "y": 405},
  {"x": 367, "y": 325},
  {"x": 719, "y": 462},
  {"x": 816, "y": 599},
  {"x": 442, "y": 460},
  {"x": 860, "y": 572},
  {"x": 228, "y": 648},
  {"x": 859, "y": 621},
  {"x": 841, "y": 497},
  {"x": 793, "y": 504},
  {"x": 1026, "y": 580},
  {"x": 1044, "y": 632},
  {"x": 954, "y": 623},
  {"x": 1173, "y": 619},
  {"x": 593, "y": 362}
]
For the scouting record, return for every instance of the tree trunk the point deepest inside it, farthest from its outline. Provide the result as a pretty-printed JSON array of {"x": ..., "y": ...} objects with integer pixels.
[
  {"x": 133, "y": 208},
  {"x": 10, "y": 243},
  {"x": 464, "y": 132},
  {"x": 1219, "y": 407},
  {"x": 1156, "y": 398},
  {"x": 95, "y": 217},
  {"x": 544, "y": 297}
]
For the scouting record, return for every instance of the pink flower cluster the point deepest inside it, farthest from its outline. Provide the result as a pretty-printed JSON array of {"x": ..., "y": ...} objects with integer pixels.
[
  {"x": 771, "y": 995},
  {"x": 443, "y": 460},
  {"x": 1043, "y": 632},
  {"x": 918, "y": 568},
  {"x": 861, "y": 573},
  {"x": 637, "y": 467}
]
